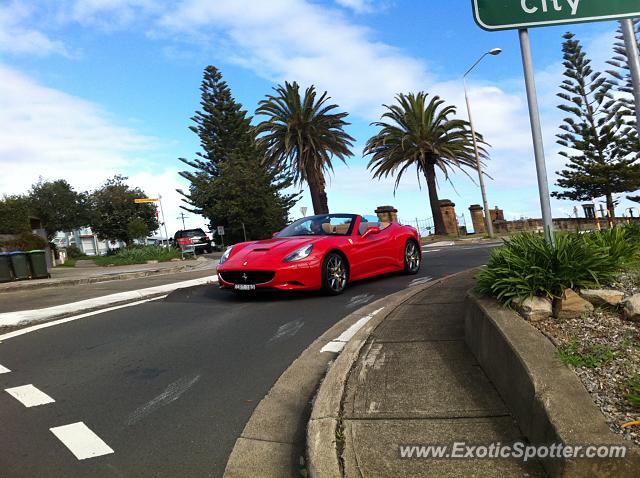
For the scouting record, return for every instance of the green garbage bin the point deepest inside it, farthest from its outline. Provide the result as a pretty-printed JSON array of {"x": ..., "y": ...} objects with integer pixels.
[
  {"x": 6, "y": 274},
  {"x": 20, "y": 265},
  {"x": 38, "y": 263}
]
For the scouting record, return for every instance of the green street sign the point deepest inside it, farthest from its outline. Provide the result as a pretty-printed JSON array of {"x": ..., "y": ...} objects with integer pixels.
[{"x": 509, "y": 14}]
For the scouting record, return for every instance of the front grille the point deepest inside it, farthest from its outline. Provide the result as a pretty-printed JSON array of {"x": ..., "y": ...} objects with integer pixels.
[{"x": 247, "y": 277}]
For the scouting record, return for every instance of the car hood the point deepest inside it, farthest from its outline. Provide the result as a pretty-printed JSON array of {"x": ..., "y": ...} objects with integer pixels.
[{"x": 276, "y": 248}]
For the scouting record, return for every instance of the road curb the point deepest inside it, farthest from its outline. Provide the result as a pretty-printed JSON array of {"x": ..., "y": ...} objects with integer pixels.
[
  {"x": 21, "y": 286},
  {"x": 323, "y": 448}
]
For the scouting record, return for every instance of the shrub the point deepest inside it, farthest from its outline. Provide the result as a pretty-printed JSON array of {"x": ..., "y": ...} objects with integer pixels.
[
  {"x": 138, "y": 255},
  {"x": 26, "y": 241},
  {"x": 621, "y": 244},
  {"x": 527, "y": 266},
  {"x": 74, "y": 252}
]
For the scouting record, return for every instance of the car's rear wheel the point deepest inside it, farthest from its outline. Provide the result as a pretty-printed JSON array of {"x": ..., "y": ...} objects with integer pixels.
[
  {"x": 335, "y": 274},
  {"x": 412, "y": 257}
]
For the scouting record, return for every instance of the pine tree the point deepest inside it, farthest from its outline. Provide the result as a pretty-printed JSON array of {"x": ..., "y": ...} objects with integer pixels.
[
  {"x": 599, "y": 158},
  {"x": 230, "y": 186},
  {"x": 621, "y": 76}
]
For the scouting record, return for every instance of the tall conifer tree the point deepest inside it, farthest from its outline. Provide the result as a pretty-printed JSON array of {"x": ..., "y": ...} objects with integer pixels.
[
  {"x": 595, "y": 135},
  {"x": 229, "y": 185}
]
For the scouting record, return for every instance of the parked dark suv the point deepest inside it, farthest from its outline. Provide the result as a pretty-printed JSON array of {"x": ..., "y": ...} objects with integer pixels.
[{"x": 199, "y": 239}]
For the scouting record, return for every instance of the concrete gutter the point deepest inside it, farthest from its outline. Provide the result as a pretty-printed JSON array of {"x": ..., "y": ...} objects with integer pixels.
[
  {"x": 545, "y": 397},
  {"x": 273, "y": 440},
  {"x": 28, "y": 285},
  {"x": 323, "y": 449}
]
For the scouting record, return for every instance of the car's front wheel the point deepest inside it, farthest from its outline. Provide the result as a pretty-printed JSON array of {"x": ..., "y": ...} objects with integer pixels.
[
  {"x": 412, "y": 257},
  {"x": 335, "y": 274}
]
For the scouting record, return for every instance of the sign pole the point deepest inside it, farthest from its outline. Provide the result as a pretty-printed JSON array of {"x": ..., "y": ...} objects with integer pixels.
[
  {"x": 634, "y": 63},
  {"x": 163, "y": 221},
  {"x": 536, "y": 132}
]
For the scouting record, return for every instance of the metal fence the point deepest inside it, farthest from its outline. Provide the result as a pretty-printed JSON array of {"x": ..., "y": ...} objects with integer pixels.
[{"x": 425, "y": 227}]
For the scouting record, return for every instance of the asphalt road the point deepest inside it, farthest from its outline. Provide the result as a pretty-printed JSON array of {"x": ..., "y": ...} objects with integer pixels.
[{"x": 169, "y": 385}]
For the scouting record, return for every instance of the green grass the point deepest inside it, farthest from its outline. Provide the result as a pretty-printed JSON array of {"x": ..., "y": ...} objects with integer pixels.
[
  {"x": 588, "y": 357},
  {"x": 138, "y": 255},
  {"x": 633, "y": 391},
  {"x": 69, "y": 262}
]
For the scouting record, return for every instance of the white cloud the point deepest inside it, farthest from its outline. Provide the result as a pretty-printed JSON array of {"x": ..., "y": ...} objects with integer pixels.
[
  {"x": 45, "y": 132},
  {"x": 359, "y": 6},
  {"x": 19, "y": 40},
  {"x": 294, "y": 40}
]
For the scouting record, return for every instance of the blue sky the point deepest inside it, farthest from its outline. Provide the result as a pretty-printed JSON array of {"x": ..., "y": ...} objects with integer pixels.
[{"x": 91, "y": 88}]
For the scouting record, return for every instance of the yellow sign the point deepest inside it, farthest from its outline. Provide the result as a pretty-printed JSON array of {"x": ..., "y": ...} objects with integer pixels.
[{"x": 146, "y": 200}]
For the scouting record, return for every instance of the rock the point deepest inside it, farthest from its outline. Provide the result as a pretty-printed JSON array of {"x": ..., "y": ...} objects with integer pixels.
[
  {"x": 602, "y": 296},
  {"x": 176, "y": 259},
  {"x": 152, "y": 261},
  {"x": 535, "y": 308},
  {"x": 571, "y": 306},
  {"x": 631, "y": 308}
]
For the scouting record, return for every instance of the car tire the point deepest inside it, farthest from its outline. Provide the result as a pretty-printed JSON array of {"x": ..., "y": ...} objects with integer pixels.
[
  {"x": 335, "y": 274},
  {"x": 412, "y": 257}
]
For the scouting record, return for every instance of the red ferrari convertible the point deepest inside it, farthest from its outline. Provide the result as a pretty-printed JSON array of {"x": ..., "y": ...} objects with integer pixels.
[{"x": 324, "y": 252}]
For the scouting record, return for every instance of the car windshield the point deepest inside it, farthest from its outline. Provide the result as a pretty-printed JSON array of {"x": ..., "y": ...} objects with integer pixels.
[
  {"x": 323, "y": 225},
  {"x": 194, "y": 233}
]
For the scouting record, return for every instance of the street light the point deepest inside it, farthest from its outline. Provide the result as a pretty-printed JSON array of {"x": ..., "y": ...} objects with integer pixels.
[{"x": 487, "y": 215}]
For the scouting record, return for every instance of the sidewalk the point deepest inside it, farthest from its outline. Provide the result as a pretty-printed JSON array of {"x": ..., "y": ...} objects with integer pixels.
[
  {"x": 415, "y": 382},
  {"x": 69, "y": 276}
]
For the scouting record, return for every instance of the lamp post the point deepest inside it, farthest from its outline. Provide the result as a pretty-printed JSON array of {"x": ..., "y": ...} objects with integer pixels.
[{"x": 487, "y": 216}]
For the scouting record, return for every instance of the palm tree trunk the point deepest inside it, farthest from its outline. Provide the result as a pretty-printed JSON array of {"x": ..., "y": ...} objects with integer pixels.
[
  {"x": 318, "y": 193},
  {"x": 430, "y": 176}
]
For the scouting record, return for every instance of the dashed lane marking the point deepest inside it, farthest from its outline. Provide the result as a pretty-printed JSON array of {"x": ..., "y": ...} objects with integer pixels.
[
  {"x": 81, "y": 441},
  {"x": 338, "y": 344},
  {"x": 4, "y": 369},
  {"x": 29, "y": 395}
]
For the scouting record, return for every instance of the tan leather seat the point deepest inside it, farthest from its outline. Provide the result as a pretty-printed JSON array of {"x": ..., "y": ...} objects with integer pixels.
[
  {"x": 342, "y": 228},
  {"x": 327, "y": 228}
]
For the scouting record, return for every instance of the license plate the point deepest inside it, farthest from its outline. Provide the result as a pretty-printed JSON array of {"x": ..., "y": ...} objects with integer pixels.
[{"x": 245, "y": 287}]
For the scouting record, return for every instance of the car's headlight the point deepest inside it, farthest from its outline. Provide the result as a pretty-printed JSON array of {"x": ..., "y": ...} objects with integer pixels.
[
  {"x": 225, "y": 256},
  {"x": 299, "y": 254}
]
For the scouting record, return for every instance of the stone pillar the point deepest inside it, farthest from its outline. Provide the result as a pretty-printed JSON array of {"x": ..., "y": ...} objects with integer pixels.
[
  {"x": 387, "y": 214},
  {"x": 477, "y": 218},
  {"x": 448, "y": 210},
  {"x": 496, "y": 214}
]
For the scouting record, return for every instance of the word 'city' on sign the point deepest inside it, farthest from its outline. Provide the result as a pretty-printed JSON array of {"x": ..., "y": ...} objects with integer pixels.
[{"x": 511, "y": 14}]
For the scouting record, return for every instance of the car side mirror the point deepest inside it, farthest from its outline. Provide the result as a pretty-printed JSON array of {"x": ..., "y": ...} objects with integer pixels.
[
  {"x": 371, "y": 231},
  {"x": 275, "y": 234}
]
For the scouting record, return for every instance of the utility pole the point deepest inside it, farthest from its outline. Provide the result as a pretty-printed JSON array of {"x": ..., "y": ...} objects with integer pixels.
[
  {"x": 183, "y": 217},
  {"x": 164, "y": 223},
  {"x": 634, "y": 63}
]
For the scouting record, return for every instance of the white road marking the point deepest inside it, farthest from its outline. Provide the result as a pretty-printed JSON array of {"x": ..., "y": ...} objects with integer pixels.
[
  {"x": 440, "y": 244},
  {"x": 38, "y": 315},
  {"x": 287, "y": 330},
  {"x": 33, "y": 328},
  {"x": 4, "y": 369},
  {"x": 425, "y": 251},
  {"x": 171, "y": 394},
  {"x": 29, "y": 395},
  {"x": 338, "y": 344},
  {"x": 360, "y": 299},
  {"x": 81, "y": 441},
  {"x": 419, "y": 281}
]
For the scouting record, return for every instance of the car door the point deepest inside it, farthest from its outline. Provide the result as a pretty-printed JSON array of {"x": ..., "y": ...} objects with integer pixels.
[{"x": 370, "y": 252}]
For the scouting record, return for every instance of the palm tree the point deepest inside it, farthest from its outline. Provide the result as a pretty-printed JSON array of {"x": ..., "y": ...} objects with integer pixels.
[
  {"x": 302, "y": 135},
  {"x": 420, "y": 133}
]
